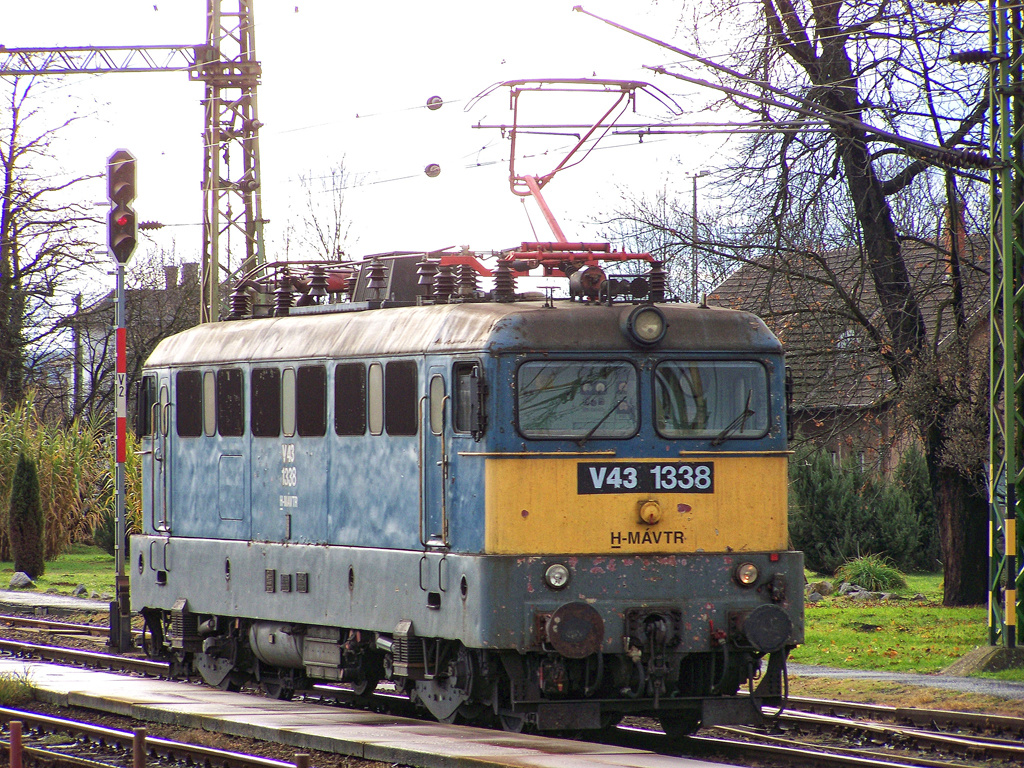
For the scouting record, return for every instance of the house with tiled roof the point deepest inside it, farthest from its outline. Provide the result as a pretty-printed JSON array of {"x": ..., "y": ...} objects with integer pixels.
[{"x": 824, "y": 308}]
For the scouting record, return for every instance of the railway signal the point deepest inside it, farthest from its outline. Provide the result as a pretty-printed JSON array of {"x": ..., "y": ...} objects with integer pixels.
[
  {"x": 122, "y": 236},
  {"x": 122, "y": 226}
]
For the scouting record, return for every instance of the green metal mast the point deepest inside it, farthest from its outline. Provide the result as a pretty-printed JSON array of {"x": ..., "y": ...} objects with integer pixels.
[{"x": 1006, "y": 444}]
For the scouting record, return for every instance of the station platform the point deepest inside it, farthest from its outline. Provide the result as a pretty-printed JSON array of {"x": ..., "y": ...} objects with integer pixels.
[
  {"x": 323, "y": 728},
  {"x": 32, "y": 602}
]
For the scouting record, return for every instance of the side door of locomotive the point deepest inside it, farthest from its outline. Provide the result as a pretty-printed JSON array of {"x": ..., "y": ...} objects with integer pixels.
[
  {"x": 160, "y": 456},
  {"x": 153, "y": 428},
  {"x": 435, "y": 433}
]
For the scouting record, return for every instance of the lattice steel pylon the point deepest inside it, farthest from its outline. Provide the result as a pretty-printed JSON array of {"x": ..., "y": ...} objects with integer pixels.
[
  {"x": 231, "y": 155},
  {"x": 1006, "y": 445},
  {"x": 226, "y": 64}
]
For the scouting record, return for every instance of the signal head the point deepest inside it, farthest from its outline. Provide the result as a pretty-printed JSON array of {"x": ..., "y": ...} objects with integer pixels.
[
  {"x": 121, "y": 177},
  {"x": 122, "y": 233}
]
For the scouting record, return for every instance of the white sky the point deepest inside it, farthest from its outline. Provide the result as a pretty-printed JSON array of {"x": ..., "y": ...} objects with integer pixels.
[{"x": 349, "y": 80}]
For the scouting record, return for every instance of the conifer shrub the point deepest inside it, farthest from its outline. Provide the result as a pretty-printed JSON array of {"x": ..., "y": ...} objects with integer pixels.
[
  {"x": 840, "y": 513},
  {"x": 26, "y": 520}
]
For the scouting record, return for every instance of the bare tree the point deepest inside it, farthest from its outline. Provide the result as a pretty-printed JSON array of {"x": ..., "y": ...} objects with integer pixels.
[
  {"x": 859, "y": 117},
  {"x": 663, "y": 226},
  {"x": 324, "y": 227},
  {"x": 44, "y": 239},
  {"x": 161, "y": 299}
]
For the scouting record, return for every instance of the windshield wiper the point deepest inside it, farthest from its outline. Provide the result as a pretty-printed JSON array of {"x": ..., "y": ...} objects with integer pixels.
[
  {"x": 597, "y": 426},
  {"x": 738, "y": 423}
]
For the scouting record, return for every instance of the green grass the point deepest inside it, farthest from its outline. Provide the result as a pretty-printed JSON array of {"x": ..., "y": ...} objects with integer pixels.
[
  {"x": 873, "y": 572},
  {"x": 15, "y": 688},
  {"x": 83, "y": 564},
  {"x": 896, "y": 638},
  {"x": 899, "y": 636}
]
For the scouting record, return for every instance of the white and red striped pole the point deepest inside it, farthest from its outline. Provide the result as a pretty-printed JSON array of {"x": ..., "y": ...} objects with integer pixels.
[{"x": 122, "y": 235}]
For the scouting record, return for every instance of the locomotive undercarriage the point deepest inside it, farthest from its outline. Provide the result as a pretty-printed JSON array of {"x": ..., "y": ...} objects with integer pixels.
[{"x": 541, "y": 690}]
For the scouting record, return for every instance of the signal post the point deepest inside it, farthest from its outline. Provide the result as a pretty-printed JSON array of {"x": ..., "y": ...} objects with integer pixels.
[{"x": 122, "y": 236}]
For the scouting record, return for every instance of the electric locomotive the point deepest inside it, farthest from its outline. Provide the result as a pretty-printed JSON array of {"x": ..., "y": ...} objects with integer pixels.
[{"x": 519, "y": 510}]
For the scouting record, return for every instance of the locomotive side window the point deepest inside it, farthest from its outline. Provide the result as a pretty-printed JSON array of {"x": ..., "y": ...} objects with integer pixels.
[
  {"x": 288, "y": 402},
  {"x": 230, "y": 417},
  {"x": 265, "y": 408},
  {"x": 720, "y": 399},
  {"x": 350, "y": 399},
  {"x": 375, "y": 398},
  {"x": 401, "y": 397},
  {"x": 468, "y": 406},
  {"x": 436, "y": 399},
  {"x": 574, "y": 399},
  {"x": 188, "y": 411},
  {"x": 311, "y": 401},
  {"x": 145, "y": 397},
  {"x": 209, "y": 404}
]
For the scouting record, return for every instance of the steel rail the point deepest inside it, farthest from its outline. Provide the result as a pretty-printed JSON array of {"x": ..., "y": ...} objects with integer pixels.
[
  {"x": 977, "y": 721},
  {"x": 56, "y": 627},
  {"x": 775, "y": 749},
  {"x": 901, "y": 736},
  {"x": 89, "y": 659},
  {"x": 188, "y": 754}
]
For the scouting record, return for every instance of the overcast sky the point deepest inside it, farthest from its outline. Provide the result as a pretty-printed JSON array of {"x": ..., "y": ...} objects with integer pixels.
[{"x": 349, "y": 81}]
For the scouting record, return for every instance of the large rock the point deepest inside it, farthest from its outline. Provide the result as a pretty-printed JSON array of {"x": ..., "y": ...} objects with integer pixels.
[
  {"x": 21, "y": 580},
  {"x": 823, "y": 588}
]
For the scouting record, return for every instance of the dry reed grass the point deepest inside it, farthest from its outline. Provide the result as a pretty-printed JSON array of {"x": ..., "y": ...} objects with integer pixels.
[{"x": 75, "y": 467}]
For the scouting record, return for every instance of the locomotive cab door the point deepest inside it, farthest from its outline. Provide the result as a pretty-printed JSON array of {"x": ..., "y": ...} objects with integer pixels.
[
  {"x": 434, "y": 462},
  {"x": 153, "y": 406}
]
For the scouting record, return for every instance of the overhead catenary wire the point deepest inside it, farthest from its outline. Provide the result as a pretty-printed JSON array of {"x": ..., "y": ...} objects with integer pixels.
[{"x": 801, "y": 106}]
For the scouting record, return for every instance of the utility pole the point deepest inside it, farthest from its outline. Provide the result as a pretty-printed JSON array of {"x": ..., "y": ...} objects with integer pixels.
[
  {"x": 693, "y": 242},
  {"x": 1006, "y": 333},
  {"x": 227, "y": 66}
]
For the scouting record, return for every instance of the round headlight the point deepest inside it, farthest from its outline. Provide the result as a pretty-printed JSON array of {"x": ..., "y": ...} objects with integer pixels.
[
  {"x": 646, "y": 325},
  {"x": 556, "y": 576},
  {"x": 746, "y": 574}
]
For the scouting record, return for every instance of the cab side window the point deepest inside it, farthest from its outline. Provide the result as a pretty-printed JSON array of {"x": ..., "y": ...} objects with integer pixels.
[
  {"x": 401, "y": 397},
  {"x": 230, "y": 414},
  {"x": 265, "y": 409},
  {"x": 350, "y": 399},
  {"x": 188, "y": 403},
  {"x": 311, "y": 400}
]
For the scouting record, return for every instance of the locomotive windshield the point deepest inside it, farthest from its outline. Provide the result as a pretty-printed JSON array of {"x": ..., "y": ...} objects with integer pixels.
[
  {"x": 572, "y": 399},
  {"x": 717, "y": 399}
]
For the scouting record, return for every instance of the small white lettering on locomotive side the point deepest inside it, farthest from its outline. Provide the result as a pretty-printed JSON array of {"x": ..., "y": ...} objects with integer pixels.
[{"x": 597, "y": 476}]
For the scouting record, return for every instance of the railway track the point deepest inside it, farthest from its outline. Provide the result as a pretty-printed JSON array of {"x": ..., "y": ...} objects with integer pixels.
[
  {"x": 810, "y": 732},
  {"x": 55, "y": 741},
  {"x": 83, "y": 658}
]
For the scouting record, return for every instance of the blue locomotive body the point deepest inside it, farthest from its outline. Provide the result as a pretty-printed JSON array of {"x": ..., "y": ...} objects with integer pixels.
[{"x": 523, "y": 512}]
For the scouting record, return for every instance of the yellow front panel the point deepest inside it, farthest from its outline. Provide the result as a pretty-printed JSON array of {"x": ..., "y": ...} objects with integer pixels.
[{"x": 533, "y": 507}]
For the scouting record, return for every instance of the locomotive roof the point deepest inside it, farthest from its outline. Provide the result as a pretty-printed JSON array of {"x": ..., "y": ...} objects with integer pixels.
[{"x": 453, "y": 328}]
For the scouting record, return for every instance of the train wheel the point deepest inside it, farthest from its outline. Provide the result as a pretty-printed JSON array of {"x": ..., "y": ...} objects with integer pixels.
[
  {"x": 443, "y": 696},
  {"x": 513, "y": 723},
  {"x": 276, "y": 689},
  {"x": 679, "y": 725}
]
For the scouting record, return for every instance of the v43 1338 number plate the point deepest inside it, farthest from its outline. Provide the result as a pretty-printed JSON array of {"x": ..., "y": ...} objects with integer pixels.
[{"x": 660, "y": 477}]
